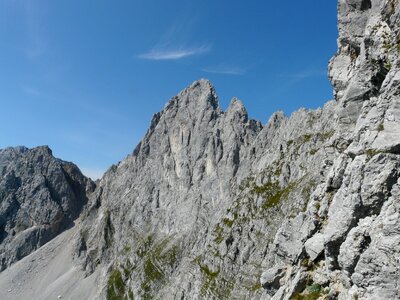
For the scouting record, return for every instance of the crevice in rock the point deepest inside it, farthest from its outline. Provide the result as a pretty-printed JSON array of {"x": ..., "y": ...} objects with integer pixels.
[
  {"x": 364, "y": 246},
  {"x": 333, "y": 247},
  {"x": 81, "y": 246},
  {"x": 108, "y": 232},
  {"x": 378, "y": 78},
  {"x": 376, "y": 207},
  {"x": 365, "y": 5},
  {"x": 229, "y": 241},
  {"x": 395, "y": 149}
]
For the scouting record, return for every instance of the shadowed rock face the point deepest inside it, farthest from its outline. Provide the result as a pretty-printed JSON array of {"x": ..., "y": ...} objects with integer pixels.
[
  {"x": 40, "y": 196},
  {"x": 214, "y": 205}
]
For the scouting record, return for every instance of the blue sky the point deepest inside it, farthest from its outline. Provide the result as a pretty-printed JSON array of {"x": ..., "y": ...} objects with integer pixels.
[{"x": 86, "y": 76}]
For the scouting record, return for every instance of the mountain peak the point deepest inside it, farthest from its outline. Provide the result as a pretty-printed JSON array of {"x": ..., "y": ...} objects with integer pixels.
[
  {"x": 202, "y": 83},
  {"x": 197, "y": 97},
  {"x": 44, "y": 149},
  {"x": 237, "y": 109}
]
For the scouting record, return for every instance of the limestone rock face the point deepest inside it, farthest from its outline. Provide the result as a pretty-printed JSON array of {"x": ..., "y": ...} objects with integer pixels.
[
  {"x": 212, "y": 202},
  {"x": 214, "y": 205},
  {"x": 193, "y": 211},
  {"x": 40, "y": 196}
]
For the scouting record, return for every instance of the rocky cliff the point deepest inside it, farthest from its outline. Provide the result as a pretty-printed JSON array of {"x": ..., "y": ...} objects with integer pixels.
[
  {"x": 214, "y": 205},
  {"x": 40, "y": 196}
]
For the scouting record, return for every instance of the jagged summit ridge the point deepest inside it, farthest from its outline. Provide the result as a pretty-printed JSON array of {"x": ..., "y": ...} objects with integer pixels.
[
  {"x": 213, "y": 205},
  {"x": 278, "y": 199},
  {"x": 186, "y": 176}
]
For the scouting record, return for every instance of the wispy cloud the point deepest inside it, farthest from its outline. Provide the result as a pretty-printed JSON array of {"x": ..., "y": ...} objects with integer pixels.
[
  {"x": 225, "y": 70},
  {"x": 177, "y": 42},
  {"x": 304, "y": 74},
  {"x": 174, "y": 54}
]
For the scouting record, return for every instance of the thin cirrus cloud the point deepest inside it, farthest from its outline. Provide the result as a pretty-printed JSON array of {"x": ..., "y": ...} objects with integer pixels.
[
  {"x": 174, "y": 54},
  {"x": 305, "y": 74},
  {"x": 224, "y": 70}
]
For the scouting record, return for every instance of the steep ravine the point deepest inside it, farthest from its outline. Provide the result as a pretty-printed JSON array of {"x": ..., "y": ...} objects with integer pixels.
[{"x": 214, "y": 205}]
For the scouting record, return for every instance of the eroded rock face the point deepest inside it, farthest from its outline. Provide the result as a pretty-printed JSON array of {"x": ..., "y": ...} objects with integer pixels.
[
  {"x": 210, "y": 202},
  {"x": 194, "y": 210},
  {"x": 214, "y": 205},
  {"x": 40, "y": 196},
  {"x": 357, "y": 199}
]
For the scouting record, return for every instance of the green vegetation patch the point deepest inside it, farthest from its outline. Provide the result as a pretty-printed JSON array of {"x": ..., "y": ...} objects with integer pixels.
[
  {"x": 372, "y": 152},
  {"x": 306, "y": 138},
  {"x": 131, "y": 296},
  {"x": 147, "y": 243},
  {"x": 272, "y": 193},
  {"x": 218, "y": 234},
  {"x": 169, "y": 256},
  {"x": 311, "y": 292},
  {"x": 115, "y": 286},
  {"x": 207, "y": 272},
  {"x": 157, "y": 257},
  {"x": 213, "y": 284},
  {"x": 228, "y": 222},
  {"x": 387, "y": 46},
  {"x": 216, "y": 289},
  {"x": 254, "y": 288},
  {"x": 246, "y": 183},
  {"x": 324, "y": 136},
  {"x": 151, "y": 272},
  {"x": 152, "y": 276},
  {"x": 126, "y": 249}
]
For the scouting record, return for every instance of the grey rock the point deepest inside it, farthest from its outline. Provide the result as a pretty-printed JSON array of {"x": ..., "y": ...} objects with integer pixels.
[
  {"x": 212, "y": 185},
  {"x": 355, "y": 244},
  {"x": 270, "y": 278},
  {"x": 315, "y": 246},
  {"x": 40, "y": 196}
]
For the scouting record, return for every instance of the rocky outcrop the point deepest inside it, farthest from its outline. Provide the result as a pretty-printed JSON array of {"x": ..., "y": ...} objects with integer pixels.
[
  {"x": 347, "y": 257},
  {"x": 40, "y": 196},
  {"x": 214, "y": 205}
]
